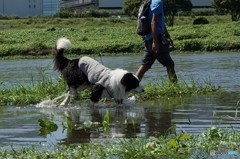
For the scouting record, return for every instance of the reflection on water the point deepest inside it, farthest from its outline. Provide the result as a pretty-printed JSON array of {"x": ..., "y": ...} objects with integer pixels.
[{"x": 19, "y": 126}]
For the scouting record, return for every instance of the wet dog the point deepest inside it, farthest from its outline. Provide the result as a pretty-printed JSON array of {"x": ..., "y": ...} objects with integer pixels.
[{"x": 87, "y": 72}]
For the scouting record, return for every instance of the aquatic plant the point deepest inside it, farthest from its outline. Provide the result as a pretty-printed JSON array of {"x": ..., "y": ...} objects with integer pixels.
[
  {"x": 47, "y": 89},
  {"x": 47, "y": 127},
  {"x": 26, "y": 95},
  {"x": 214, "y": 142},
  {"x": 106, "y": 124},
  {"x": 88, "y": 125},
  {"x": 164, "y": 88}
]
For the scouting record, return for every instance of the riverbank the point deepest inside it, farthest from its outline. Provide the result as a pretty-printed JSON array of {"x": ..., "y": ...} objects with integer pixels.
[{"x": 37, "y": 36}]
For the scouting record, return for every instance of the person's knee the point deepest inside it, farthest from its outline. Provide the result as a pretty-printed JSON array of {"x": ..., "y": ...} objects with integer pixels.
[{"x": 170, "y": 65}]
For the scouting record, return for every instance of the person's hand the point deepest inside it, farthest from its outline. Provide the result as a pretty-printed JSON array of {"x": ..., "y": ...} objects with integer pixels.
[
  {"x": 155, "y": 47},
  {"x": 171, "y": 45}
]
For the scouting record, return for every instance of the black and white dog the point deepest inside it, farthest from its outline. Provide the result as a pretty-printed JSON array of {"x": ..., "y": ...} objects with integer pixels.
[{"x": 104, "y": 82}]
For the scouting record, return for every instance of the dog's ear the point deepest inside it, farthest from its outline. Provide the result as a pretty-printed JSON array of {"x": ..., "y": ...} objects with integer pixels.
[
  {"x": 130, "y": 81},
  {"x": 124, "y": 78}
]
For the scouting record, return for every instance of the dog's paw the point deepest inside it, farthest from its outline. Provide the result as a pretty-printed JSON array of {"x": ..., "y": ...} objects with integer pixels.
[
  {"x": 130, "y": 100},
  {"x": 66, "y": 102}
]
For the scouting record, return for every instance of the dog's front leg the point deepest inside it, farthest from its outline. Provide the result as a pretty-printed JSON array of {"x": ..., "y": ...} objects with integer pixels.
[
  {"x": 119, "y": 101},
  {"x": 67, "y": 99}
]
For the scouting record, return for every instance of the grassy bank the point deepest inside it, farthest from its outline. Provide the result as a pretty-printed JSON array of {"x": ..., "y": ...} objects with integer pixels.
[
  {"x": 37, "y": 36},
  {"x": 46, "y": 89},
  {"x": 214, "y": 143}
]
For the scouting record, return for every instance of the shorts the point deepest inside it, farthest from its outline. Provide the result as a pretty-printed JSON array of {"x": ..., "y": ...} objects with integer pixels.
[{"x": 163, "y": 56}]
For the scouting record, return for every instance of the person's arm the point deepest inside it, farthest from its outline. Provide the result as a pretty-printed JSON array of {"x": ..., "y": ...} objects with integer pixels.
[
  {"x": 155, "y": 45},
  {"x": 168, "y": 37}
]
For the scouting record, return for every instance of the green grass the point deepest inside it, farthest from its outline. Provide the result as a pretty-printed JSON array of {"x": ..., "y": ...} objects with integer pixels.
[
  {"x": 46, "y": 89},
  {"x": 163, "y": 88},
  {"x": 37, "y": 36},
  {"x": 24, "y": 95},
  {"x": 179, "y": 146}
]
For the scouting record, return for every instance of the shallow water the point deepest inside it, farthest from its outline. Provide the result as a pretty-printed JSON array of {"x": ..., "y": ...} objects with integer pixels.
[
  {"x": 221, "y": 69},
  {"x": 19, "y": 126}
]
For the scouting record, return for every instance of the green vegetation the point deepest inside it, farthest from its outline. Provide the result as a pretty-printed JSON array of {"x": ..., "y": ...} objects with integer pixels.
[
  {"x": 162, "y": 89},
  {"x": 215, "y": 142},
  {"x": 46, "y": 89},
  {"x": 24, "y": 95},
  {"x": 47, "y": 127},
  {"x": 37, "y": 36},
  {"x": 228, "y": 6},
  {"x": 200, "y": 20}
]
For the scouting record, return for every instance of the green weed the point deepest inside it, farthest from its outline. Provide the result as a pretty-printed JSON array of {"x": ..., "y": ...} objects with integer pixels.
[
  {"x": 47, "y": 127},
  {"x": 47, "y": 89},
  {"x": 178, "y": 146},
  {"x": 164, "y": 88},
  {"x": 37, "y": 36}
]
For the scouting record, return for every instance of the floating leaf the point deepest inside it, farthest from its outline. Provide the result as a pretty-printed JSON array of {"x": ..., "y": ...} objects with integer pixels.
[{"x": 47, "y": 127}]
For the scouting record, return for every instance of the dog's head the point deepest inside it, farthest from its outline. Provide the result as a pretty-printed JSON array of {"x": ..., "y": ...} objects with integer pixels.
[{"x": 131, "y": 82}]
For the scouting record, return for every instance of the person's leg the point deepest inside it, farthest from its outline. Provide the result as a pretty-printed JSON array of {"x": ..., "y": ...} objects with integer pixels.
[
  {"x": 165, "y": 59},
  {"x": 171, "y": 73},
  {"x": 147, "y": 60},
  {"x": 141, "y": 71}
]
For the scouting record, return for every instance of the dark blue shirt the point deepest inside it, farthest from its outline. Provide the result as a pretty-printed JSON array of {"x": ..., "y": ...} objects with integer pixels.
[{"x": 156, "y": 7}]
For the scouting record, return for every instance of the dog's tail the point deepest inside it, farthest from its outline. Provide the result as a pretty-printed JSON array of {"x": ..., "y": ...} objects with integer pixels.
[
  {"x": 63, "y": 43},
  {"x": 60, "y": 61}
]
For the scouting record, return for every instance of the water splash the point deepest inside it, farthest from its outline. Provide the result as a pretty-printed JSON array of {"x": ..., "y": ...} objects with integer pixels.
[{"x": 49, "y": 103}]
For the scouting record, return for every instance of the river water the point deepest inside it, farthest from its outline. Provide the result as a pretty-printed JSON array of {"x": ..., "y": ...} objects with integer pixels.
[{"x": 19, "y": 126}]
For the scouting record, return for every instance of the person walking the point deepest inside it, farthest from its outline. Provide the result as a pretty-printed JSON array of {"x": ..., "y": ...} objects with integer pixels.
[{"x": 157, "y": 43}]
